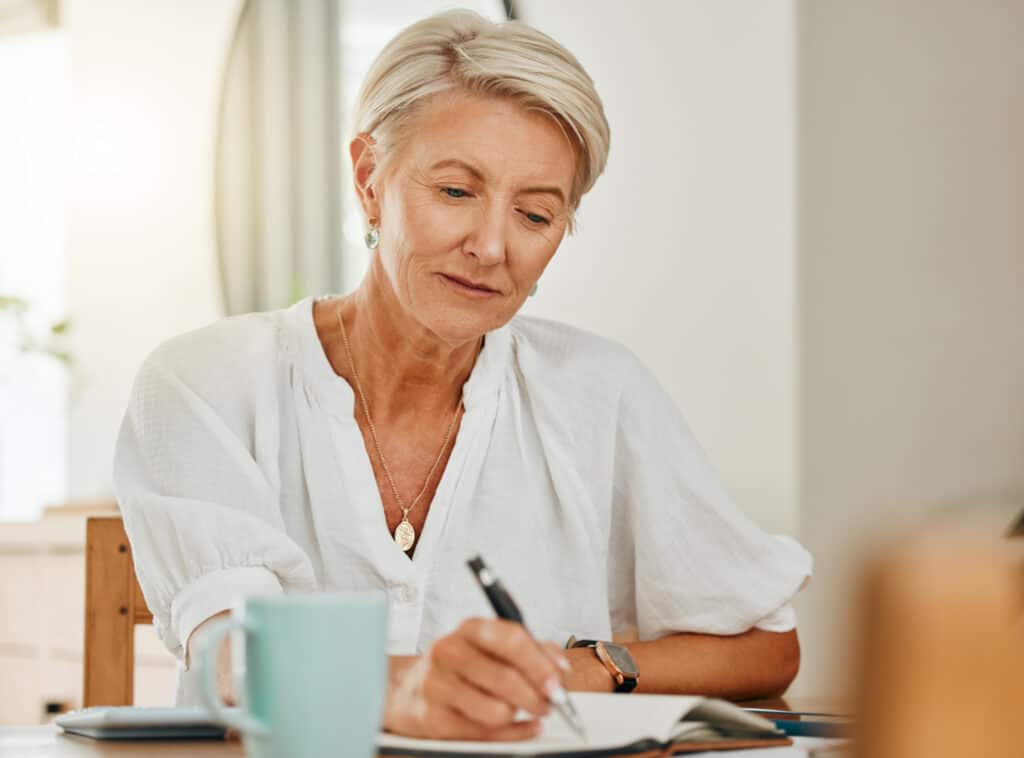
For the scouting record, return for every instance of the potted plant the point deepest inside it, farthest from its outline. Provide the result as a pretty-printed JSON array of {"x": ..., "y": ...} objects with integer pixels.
[
  {"x": 26, "y": 342},
  {"x": 18, "y": 336}
]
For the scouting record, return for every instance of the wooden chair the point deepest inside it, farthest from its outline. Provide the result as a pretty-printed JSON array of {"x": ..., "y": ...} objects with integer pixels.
[{"x": 113, "y": 607}]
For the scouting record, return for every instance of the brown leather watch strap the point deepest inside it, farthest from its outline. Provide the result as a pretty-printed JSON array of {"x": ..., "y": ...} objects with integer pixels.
[{"x": 624, "y": 681}]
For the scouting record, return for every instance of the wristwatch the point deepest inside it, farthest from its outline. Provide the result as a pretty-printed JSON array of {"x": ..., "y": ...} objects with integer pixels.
[{"x": 615, "y": 658}]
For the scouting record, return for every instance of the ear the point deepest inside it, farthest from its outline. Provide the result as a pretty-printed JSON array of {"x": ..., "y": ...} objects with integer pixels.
[{"x": 364, "y": 161}]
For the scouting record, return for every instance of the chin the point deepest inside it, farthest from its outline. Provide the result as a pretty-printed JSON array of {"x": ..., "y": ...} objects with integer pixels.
[{"x": 462, "y": 324}]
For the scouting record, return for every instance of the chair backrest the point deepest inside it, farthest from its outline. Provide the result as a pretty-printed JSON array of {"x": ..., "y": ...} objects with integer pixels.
[{"x": 113, "y": 606}]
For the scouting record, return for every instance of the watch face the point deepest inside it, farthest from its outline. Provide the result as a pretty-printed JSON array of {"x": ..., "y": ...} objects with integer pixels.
[{"x": 622, "y": 659}]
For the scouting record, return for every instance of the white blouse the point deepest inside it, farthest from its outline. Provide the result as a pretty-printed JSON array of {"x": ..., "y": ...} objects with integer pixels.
[{"x": 240, "y": 470}]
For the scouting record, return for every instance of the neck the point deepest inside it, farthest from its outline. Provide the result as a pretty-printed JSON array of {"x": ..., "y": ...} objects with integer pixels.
[{"x": 404, "y": 367}]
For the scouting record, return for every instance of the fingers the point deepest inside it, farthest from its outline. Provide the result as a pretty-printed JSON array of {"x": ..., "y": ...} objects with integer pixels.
[
  {"x": 481, "y": 707},
  {"x": 510, "y": 643},
  {"x": 497, "y": 678},
  {"x": 449, "y": 724},
  {"x": 472, "y": 683}
]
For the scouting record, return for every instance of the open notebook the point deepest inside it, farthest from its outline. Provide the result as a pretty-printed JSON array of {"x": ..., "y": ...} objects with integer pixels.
[
  {"x": 646, "y": 725},
  {"x": 639, "y": 725}
]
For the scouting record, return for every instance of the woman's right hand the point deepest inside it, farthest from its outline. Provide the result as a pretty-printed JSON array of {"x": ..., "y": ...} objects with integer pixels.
[{"x": 471, "y": 684}]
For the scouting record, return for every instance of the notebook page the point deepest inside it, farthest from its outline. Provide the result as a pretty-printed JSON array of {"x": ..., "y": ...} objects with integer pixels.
[
  {"x": 729, "y": 716},
  {"x": 610, "y": 721}
]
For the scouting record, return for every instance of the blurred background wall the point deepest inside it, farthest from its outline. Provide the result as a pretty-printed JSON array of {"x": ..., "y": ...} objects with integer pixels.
[
  {"x": 911, "y": 261},
  {"x": 686, "y": 250},
  {"x": 145, "y": 82},
  {"x": 809, "y": 227},
  {"x": 139, "y": 83}
]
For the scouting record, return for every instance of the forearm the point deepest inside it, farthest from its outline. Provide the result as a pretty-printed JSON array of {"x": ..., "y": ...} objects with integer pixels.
[
  {"x": 753, "y": 664},
  {"x": 193, "y": 648}
]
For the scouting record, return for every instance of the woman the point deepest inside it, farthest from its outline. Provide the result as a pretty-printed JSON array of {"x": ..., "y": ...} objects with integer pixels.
[{"x": 380, "y": 439}]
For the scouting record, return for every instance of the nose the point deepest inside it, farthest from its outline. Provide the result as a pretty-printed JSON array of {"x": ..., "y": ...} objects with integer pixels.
[{"x": 489, "y": 236}]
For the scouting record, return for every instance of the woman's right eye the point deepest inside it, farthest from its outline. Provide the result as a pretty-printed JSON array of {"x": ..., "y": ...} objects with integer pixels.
[{"x": 455, "y": 192}]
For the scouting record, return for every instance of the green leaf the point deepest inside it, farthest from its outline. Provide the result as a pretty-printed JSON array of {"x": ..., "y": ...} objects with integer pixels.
[
  {"x": 17, "y": 304},
  {"x": 61, "y": 327}
]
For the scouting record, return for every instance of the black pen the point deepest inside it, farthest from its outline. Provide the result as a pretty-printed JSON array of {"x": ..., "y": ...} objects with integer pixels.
[{"x": 505, "y": 608}]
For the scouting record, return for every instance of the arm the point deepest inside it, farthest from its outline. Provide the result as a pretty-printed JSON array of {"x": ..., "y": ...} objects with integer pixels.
[
  {"x": 742, "y": 666},
  {"x": 684, "y": 557},
  {"x": 204, "y": 520},
  {"x": 195, "y": 643}
]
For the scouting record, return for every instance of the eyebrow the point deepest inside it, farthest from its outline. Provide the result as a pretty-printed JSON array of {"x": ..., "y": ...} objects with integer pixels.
[{"x": 478, "y": 175}]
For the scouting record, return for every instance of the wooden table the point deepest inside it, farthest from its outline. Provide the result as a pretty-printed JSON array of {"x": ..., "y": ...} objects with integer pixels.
[{"x": 51, "y": 742}]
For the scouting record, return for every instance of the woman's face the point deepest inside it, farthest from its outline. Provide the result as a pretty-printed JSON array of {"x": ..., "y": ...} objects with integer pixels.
[{"x": 472, "y": 208}]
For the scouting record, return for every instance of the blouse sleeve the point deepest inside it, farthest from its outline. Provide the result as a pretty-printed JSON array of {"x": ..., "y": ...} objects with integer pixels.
[
  {"x": 201, "y": 516},
  {"x": 687, "y": 559}
]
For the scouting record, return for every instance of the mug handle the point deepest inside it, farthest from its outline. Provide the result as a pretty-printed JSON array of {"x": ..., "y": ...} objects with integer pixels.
[{"x": 236, "y": 720}]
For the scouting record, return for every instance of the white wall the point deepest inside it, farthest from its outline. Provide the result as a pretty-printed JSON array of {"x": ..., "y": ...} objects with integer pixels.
[
  {"x": 685, "y": 251},
  {"x": 912, "y": 267},
  {"x": 145, "y": 87}
]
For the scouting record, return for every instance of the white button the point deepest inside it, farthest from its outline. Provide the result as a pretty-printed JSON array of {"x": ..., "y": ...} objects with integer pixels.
[{"x": 404, "y": 593}]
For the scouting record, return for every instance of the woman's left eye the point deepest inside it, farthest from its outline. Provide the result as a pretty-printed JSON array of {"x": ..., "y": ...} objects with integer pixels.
[{"x": 457, "y": 194}]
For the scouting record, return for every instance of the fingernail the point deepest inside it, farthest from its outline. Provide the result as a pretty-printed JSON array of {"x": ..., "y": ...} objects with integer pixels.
[
  {"x": 563, "y": 663},
  {"x": 551, "y": 686}
]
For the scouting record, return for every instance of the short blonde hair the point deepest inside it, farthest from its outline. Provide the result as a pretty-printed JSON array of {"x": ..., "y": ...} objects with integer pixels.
[{"x": 462, "y": 50}]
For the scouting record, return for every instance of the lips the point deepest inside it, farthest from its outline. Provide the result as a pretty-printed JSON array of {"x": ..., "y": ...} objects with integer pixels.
[{"x": 469, "y": 283}]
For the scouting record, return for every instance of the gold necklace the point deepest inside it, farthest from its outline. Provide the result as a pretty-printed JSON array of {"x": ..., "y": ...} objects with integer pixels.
[{"x": 405, "y": 533}]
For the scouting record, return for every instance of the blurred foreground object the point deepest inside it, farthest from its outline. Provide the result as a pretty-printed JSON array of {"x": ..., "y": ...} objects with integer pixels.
[
  {"x": 1017, "y": 527},
  {"x": 941, "y": 666}
]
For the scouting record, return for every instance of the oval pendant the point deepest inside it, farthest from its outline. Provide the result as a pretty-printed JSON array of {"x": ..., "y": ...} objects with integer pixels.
[{"x": 405, "y": 535}]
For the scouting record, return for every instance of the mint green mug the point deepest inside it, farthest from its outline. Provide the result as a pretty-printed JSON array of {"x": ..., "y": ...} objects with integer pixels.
[{"x": 314, "y": 677}]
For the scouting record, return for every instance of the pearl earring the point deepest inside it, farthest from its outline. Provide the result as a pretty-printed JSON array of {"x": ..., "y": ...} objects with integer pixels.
[
  {"x": 533, "y": 289},
  {"x": 372, "y": 238}
]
